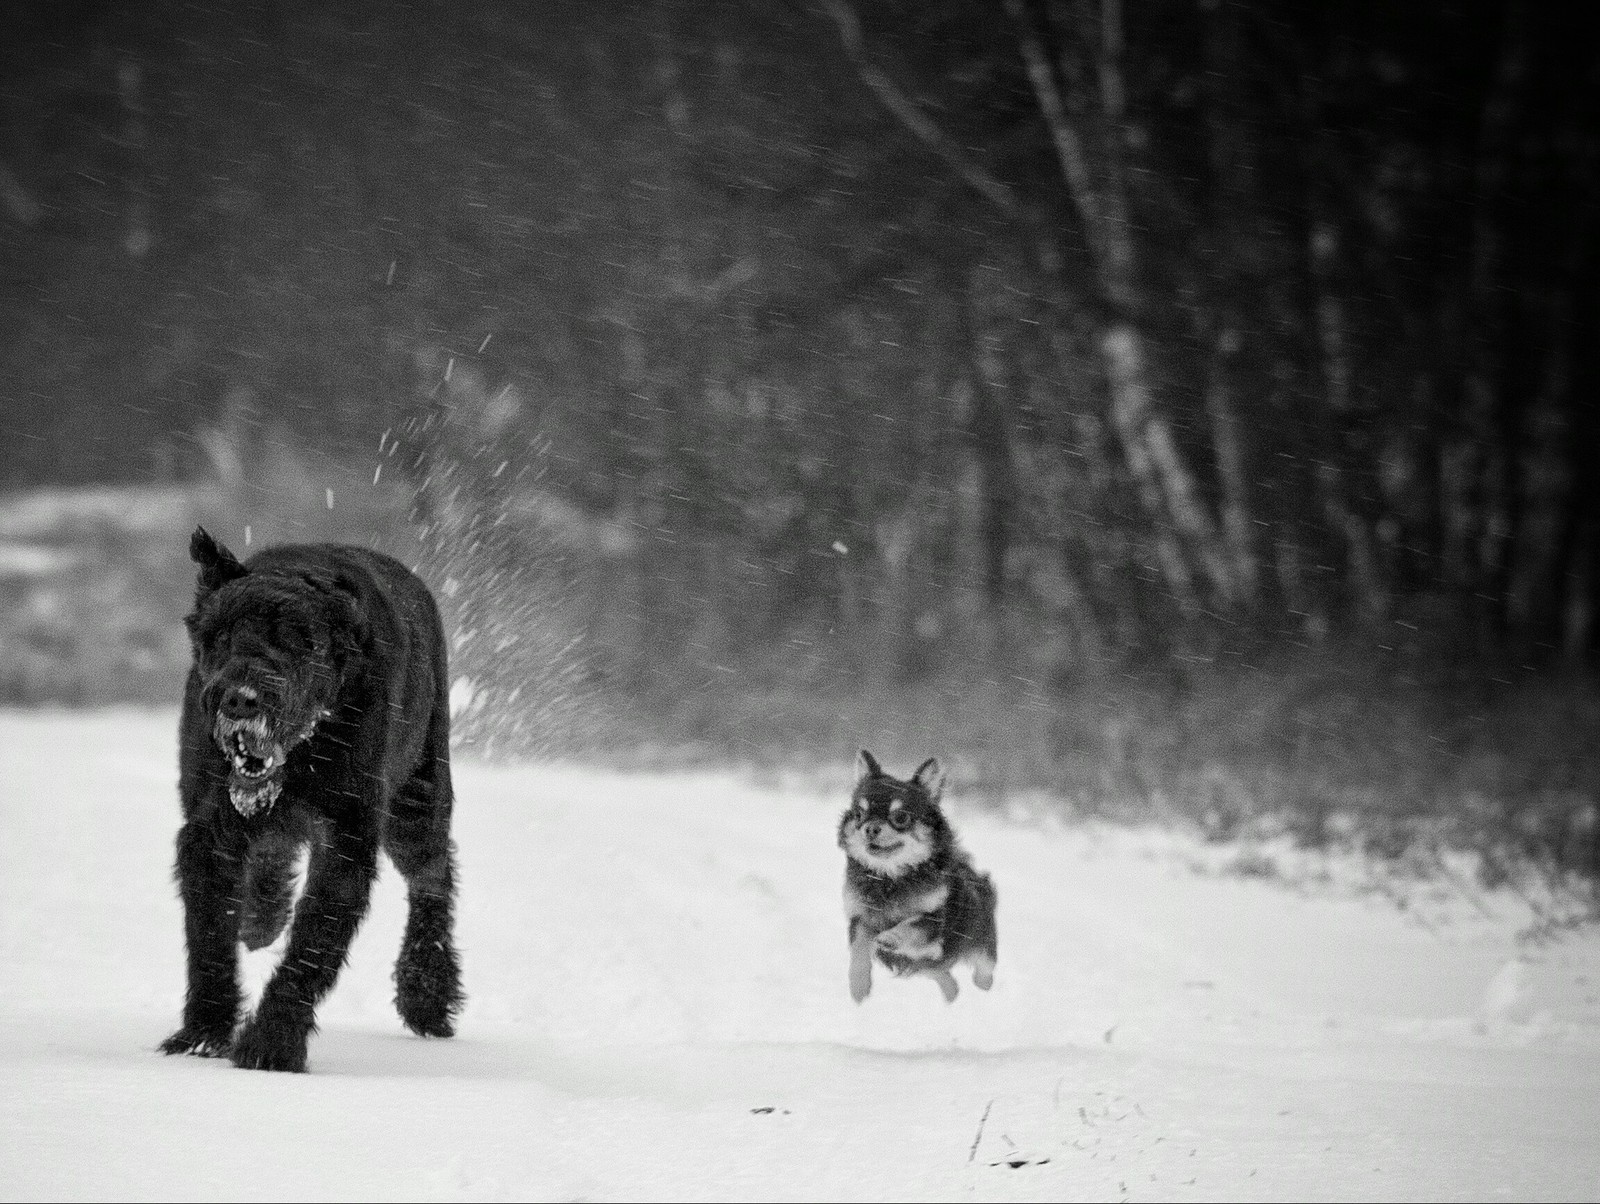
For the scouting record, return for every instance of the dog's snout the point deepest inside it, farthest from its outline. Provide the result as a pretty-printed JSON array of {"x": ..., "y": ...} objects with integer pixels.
[
  {"x": 872, "y": 828},
  {"x": 241, "y": 702}
]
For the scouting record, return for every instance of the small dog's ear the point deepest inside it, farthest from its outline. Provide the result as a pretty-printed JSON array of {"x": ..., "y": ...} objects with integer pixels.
[
  {"x": 867, "y": 766},
  {"x": 930, "y": 776},
  {"x": 218, "y": 566}
]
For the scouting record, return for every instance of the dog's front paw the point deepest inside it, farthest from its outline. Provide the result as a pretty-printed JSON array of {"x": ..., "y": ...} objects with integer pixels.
[
  {"x": 200, "y": 1042},
  {"x": 270, "y": 1045}
]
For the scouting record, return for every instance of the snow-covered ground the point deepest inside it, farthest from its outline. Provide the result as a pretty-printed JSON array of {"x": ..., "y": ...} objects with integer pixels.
[{"x": 658, "y": 1009}]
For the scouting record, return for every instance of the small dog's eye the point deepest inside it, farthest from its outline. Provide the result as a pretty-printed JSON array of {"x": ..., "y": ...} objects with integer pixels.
[{"x": 900, "y": 820}]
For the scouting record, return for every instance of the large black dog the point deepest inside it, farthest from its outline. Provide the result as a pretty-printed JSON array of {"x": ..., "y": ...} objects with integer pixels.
[{"x": 316, "y": 713}]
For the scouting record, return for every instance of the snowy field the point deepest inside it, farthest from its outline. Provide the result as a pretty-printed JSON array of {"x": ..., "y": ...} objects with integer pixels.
[{"x": 658, "y": 1009}]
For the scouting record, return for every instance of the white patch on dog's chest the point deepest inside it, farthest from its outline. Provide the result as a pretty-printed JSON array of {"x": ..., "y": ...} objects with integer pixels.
[
  {"x": 923, "y": 903},
  {"x": 881, "y": 916}
]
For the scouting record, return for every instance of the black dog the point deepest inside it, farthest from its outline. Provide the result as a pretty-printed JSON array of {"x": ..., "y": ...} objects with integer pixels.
[
  {"x": 316, "y": 714},
  {"x": 911, "y": 895}
]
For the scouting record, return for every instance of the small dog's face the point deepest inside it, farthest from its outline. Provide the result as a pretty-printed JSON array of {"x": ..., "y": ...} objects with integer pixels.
[
  {"x": 893, "y": 826},
  {"x": 264, "y": 656}
]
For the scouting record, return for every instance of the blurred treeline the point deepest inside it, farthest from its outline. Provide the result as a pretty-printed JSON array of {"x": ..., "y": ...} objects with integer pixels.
[{"x": 991, "y": 354}]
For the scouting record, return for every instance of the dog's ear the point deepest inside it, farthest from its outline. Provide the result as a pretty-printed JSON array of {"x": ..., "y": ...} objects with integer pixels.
[
  {"x": 218, "y": 566},
  {"x": 930, "y": 776},
  {"x": 867, "y": 766}
]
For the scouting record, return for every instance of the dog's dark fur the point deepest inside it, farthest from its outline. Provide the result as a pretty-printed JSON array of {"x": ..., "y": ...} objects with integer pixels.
[
  {"x": 911, "y": 895},
  {"x": 316, "y": 715}
]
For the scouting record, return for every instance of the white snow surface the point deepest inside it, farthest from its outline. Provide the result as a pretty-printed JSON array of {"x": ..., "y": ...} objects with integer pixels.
[{"x": 658, "y": 1010}]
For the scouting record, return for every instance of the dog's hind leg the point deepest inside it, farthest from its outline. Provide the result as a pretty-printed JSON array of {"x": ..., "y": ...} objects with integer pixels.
[
  {"x": 988, "y": 935},
  {"x": 427, "y": 974},
  {"x": 209, "y": 867},
  {"x": 915, "y": 939},
  {"x": 338, "y": 887},
  {"x": 947, "y": 984},
  {"x": 983, "y": 971}
]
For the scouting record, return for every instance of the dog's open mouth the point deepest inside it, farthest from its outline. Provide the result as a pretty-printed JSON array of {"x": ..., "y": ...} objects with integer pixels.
[
  {"x": 884, "y": 850},
  {"x": 250, "y": 746},
  {"x": 256, "y": 757},
  {"x": 247, "y": 761}
]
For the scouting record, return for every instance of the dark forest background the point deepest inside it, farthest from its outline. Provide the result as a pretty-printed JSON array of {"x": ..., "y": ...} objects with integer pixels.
[{"x": 1186, "y": 407}]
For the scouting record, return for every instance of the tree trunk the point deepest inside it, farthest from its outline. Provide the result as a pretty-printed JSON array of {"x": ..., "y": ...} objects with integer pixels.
[
  {"x": 1165, "y": 484},
  {"x": 1225, "y": 437},
  {"x": 990, "y": 432}
]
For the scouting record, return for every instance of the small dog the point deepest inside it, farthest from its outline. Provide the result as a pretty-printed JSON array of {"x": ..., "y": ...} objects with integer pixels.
[{"x": 911, "y": 895}]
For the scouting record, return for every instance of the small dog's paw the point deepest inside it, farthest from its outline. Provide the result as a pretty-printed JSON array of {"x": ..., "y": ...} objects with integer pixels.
[
  {"x": 947, "y": 985},
  {"x": 198, "y": 1042},
  {"x": 860, "y": 981},
  {"x": 270, "y": 1046},
  {"x": 983, "y": 974},
  {"x": 911, "y": 940}
]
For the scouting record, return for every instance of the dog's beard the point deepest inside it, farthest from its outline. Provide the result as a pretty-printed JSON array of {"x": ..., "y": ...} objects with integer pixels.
[
  {"x": 257, "y": 755},
  {"x": 897, "y": 855}
]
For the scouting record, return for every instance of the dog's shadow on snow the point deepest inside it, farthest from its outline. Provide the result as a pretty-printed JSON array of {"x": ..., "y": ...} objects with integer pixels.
[
  {"x": 358, "y": 1054},
  {"x": 678, "y": 1071}
]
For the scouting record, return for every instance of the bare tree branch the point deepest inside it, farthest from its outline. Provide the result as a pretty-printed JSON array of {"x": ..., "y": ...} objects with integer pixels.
[
  {"x": 894, "y": 98},
  {"x": 1070, "y": 156}
]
